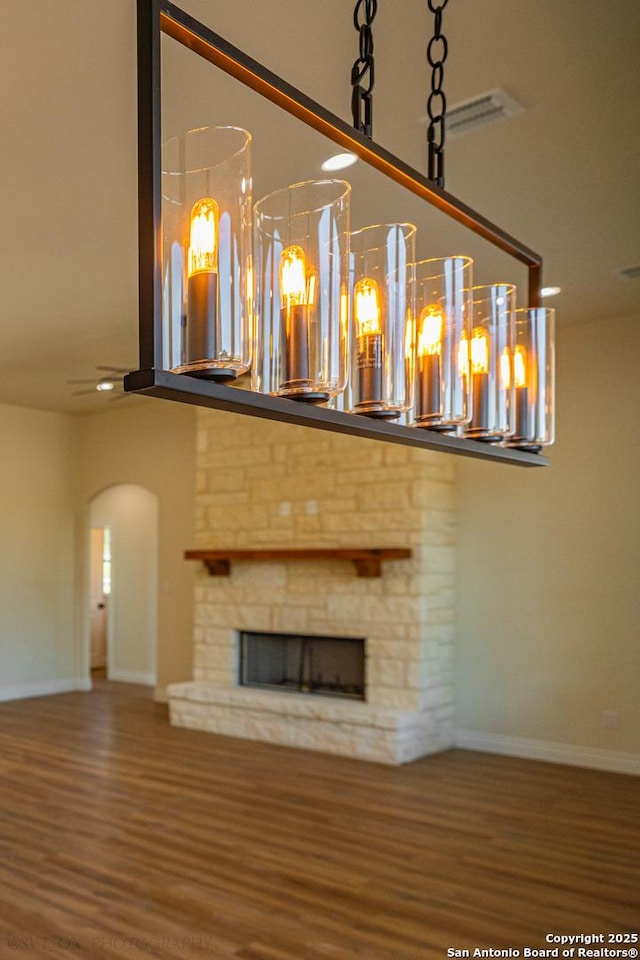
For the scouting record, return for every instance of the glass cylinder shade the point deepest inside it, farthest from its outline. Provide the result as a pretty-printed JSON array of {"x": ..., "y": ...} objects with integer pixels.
[
  {"x": 533, "y": 366},
  {"x": 441, "y": 394},
  {"x": 207, "y": 257},
  {"x": 382, "y": 258},
  {"x": 302, "y": 293},
  {"x": 488, "y": 362}
]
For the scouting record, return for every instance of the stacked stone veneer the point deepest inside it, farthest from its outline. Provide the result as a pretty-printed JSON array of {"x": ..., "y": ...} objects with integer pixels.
[{"x": 262, "y": 484}]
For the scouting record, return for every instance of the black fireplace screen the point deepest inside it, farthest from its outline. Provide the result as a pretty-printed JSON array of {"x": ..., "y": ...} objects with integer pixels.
[{"x": 332, "y": 666}]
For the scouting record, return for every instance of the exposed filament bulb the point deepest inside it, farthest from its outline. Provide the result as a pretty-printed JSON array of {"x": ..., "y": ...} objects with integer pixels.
[
  {"x": 367, "y": 307},
  {"x": 505, "y": 369},
  {"x": 409, "y": 338},
  {"x": 463, "y": 358},
  {"x": 479, "y": 351},
  {"x": 520, "y": 367},
  {"x": 203, "y": 237},
  {"x": 430, "y": 336},
  {"x": 297, "y": 283}
]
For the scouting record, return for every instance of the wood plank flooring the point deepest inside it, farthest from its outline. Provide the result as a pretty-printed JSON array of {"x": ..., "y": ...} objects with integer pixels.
[{"x": 123, "y": 837}]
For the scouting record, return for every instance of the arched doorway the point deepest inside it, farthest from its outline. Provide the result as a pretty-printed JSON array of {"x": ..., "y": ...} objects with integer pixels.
[{"x": 123, "y": 583}]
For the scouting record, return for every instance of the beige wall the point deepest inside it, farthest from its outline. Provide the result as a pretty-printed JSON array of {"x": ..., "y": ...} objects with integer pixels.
[
  {"x": 36, "y": 553},
  {"x": 548, "y": 587},
  {"x": 149, "y": 442}
]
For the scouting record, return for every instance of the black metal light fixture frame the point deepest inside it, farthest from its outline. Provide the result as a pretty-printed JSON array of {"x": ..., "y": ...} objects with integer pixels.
[{"x": 156, "y": 17}]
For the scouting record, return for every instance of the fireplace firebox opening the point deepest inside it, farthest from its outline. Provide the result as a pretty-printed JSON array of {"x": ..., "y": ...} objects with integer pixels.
[{"x": 329, "y": 666}]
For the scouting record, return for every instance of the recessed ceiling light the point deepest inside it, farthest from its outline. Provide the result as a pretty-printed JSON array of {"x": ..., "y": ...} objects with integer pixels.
[
  {"x": 105, "y": 385},
  {"x": 339, "y": 162},
  {"x": 550, "y": 291}
]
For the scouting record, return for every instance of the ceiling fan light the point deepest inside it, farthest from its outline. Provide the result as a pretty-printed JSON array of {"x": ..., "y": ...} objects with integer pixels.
[{"x": 105, "y": 385}]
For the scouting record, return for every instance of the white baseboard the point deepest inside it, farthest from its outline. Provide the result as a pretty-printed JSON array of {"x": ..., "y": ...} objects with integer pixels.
[
  {"x": 132, "y": 676},
  {"x": 616, "y": 761},
  {"x": 41, "y": 688}
]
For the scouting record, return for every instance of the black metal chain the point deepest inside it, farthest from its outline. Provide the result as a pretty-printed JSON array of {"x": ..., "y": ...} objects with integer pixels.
[
  {"x": 363, "y": 72},
  {"x": 437, "y": 50}
]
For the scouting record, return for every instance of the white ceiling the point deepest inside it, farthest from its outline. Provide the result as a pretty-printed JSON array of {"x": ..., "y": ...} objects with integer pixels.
[{"x": 563, "y": 176}]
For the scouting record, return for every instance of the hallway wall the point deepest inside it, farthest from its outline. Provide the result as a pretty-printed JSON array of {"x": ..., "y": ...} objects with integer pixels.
[{"x": 149, "y": 442}]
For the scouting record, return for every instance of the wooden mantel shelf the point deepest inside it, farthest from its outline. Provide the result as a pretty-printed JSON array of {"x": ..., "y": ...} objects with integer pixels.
[{"x": 367, "y": 561}]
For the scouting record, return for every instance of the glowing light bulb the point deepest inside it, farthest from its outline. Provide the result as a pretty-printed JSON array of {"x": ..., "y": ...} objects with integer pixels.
[
  {"x": 430, "y": 336},
  {"x": 479, "y": 355},
  {"x": 408, "y": 339},
  {"x": 297, "y": 292},
  {"x": 520, "y": 367},
  {"x": 105, "y": 385},
  {"x": 524, "y": 426},
  {"x": 344, "y": 316},
  {"x": 293, "y": 279},
  {"x": 367, "y": 307},
  {"x": 409, "y": 349},
  {"x": 368, "y": 322},
  {"x": 505, "y": 368},
  {"x": 428, "y": 375},
  {"x": 479, "y": 351},
  {"x": 463, "y": 358},
  {"x": 202, "y": 283},
  {"x": 297, "y": 282},
  {"x": 203, "y": 237}
]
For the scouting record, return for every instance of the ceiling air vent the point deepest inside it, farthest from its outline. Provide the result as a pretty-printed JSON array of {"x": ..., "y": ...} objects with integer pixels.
[
  {"x": 479, "y": 111},
  {"x": 630, "y": 273}
]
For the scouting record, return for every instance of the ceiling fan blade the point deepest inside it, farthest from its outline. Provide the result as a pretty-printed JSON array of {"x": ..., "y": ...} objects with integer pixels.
[
  {"x": 82, "y": 393},
  {"x": 114, "y": 369},
  {"x": 91, "y": 380}
]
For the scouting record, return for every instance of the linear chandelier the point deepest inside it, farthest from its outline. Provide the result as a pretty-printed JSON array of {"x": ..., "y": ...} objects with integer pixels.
[{"x": 345, "y": 331}]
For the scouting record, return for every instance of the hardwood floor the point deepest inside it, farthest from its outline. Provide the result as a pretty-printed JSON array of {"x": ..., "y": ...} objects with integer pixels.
[{"x": 123, "y": 837}]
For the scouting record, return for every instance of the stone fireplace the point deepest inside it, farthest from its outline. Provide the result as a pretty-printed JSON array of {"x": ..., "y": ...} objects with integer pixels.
[{"x": 263, "y": 484}]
